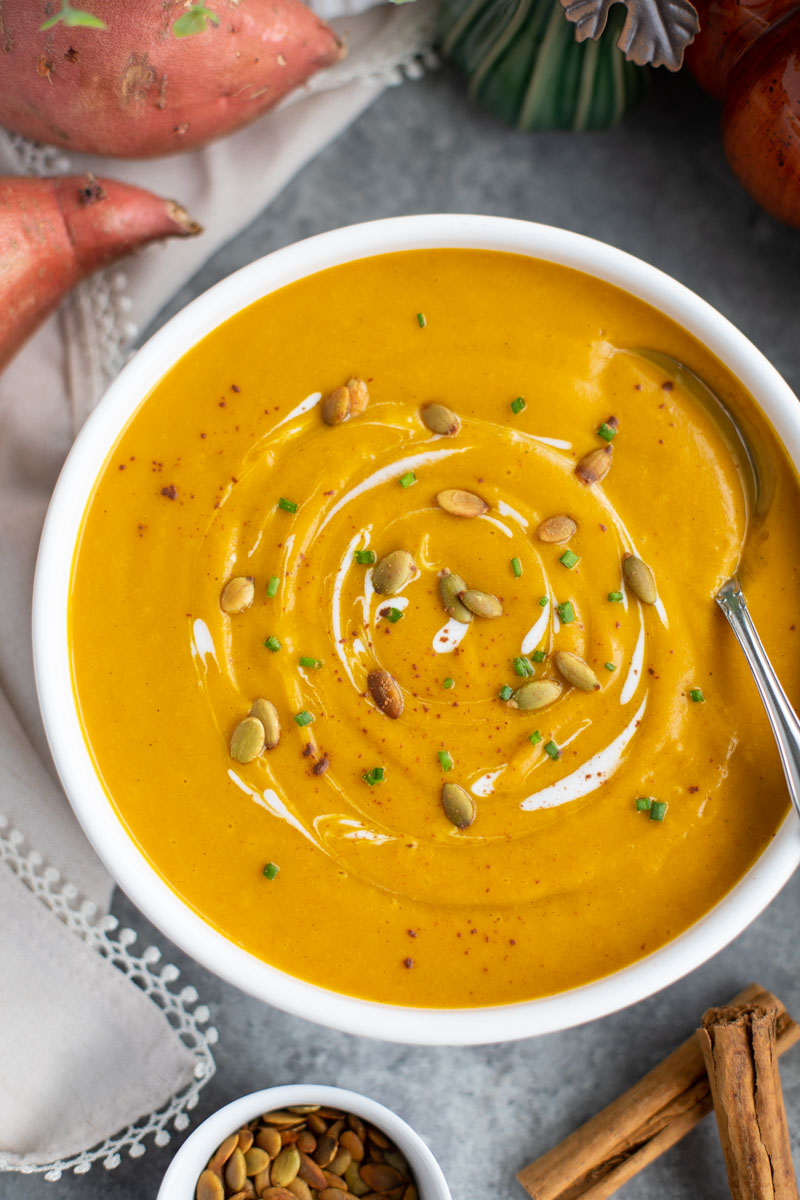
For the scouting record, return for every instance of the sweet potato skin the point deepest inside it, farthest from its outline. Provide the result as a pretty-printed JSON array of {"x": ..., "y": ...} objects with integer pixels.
[
  {"x": 135, "y": 90},
  {"x": 54, "y": 232}
]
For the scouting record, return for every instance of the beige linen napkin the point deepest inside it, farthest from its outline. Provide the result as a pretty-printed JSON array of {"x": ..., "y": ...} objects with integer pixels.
[{"x": 90, "y": 1062}]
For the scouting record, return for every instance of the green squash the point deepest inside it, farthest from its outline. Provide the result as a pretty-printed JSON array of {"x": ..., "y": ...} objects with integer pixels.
[{"x": 524, "y": 65}]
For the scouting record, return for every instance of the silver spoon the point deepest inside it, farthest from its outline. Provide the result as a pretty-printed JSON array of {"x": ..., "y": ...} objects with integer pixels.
[{"x": 782, "y": 717}]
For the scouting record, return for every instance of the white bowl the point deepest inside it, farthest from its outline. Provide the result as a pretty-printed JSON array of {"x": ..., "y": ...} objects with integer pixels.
[
  {"x": 52, "y": 654},
  {"x": 181, "y": 1178}
]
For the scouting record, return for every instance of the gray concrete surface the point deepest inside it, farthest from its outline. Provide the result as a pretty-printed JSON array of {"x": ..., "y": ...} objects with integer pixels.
[{"x": 658, "y": 187}]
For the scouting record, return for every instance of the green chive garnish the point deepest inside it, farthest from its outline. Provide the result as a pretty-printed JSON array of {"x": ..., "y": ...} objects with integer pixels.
[
  {"x": 421, "y": 320},
  {"x": 552, "y": 749},
  {"x": 445, "y": 760},
  {"x": 392, "y": 614},
  {"x": 522, "y": 666},
  {"x": 570, "y": 559},
  {"x": 506, "y": 692},
  {"x": 538, "y": 656},
  {"x": 697, "y": 696},
  {"x": 304, "y": 718},
  {"x": 364, "y": 557},
  {"x": 517, "y": 405},
  {"x": 287, "y": 505},
  {"x": 273, "y": 585},
  {"x": 643, "y": 803},
  {"x": 566, "y": 612},
  {"x": 449, "y": 683},
  {"x": 376, "y": 775},
  {"x": 609, "y": 666},
  {"x": 407, "y": 479},
  {"x": 615, "y": 597},
  {"x": 536, "y": 737},
  {"x": 272, "y": 643},
  {"x": 271, "y": 870},
  {"x": 543, "y": 601},
  {"x": 516, "y": 567},
  {"x": 658, "y": 810},
  {"x": 314, "y": 663},
  {"x": 607, "y": 431}
]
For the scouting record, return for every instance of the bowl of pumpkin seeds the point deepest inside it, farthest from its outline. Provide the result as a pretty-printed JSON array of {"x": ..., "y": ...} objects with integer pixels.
[{"x": 304, "y": 1142}]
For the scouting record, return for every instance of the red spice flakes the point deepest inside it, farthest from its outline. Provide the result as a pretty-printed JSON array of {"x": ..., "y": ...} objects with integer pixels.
[
  {"x": 171, "y": 492},
  {"x": 694, "y": 788},
  {"x": 235, "y": 387},
  {"x": 667, "y": 385},
  {"x": 411, "y": 932},
  {"x": 308, "y": 750},
  {"x": 321, "y": 767},
  {"x": 408, "y": 963}
]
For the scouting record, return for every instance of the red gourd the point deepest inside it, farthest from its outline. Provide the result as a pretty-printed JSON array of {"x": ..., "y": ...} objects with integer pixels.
[
  {"x": 54, "y": 232},
  {"x": 726, "y": 31},
  {"x": 135, "y": 89}
]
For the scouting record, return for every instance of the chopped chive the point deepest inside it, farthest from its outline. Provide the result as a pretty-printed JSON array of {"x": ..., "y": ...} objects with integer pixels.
[
  {"x": 272, "y": 643},
  {"x": 552, "y": 749},
  {"x": 376, "y": 775},
  {"x": 422, "y": 320},
  {"x": 303, "y": 718},
  {"x": 697, "y": 696},
  {"x": 407, "y": 479},
  {"x": 392, "y": 614},
  {"x": 538, "y": 656},
  {"x": 445, "y": 760},
  {"x": 643, "y": 803},
  {"x": 517, "y": 405},
  {"x": 314, "y": 663},
  {"x": 273, "y": 585},
  {"x": 449, "y": 683},
  {"x": 570, "y": 559},
  {"x": 607, "y": 431},
  {"x": 364, "y": 557},
  {"x": 287, "y": 505},
  {"x": 536, "y": 737},
  {"x": 271, "y": 870},
  {"x": 516, "y": 567},
  {"x": 566, "y": 612},
  {"x": 615, "y": 597},
  {"x": 658, "y": 810},
  {"x": 543, "y": 601},
  {"x": 610, "y": 666},
  {"x": 505, "y": 692},
  {"x": 522, "y": 666}
]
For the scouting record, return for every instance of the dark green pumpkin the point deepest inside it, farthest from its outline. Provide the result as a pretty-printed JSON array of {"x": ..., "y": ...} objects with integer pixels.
[{"x": 523, "y": 64}]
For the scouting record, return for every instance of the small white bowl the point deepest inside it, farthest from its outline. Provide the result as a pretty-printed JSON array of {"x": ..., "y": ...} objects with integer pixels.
[
  {"x": 181, "y": 1178},
  {"x": 51, "y": 645}
]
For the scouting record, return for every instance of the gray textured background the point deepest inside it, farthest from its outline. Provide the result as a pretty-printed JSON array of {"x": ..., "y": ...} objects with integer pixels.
[{"x": 660, "y": 188}]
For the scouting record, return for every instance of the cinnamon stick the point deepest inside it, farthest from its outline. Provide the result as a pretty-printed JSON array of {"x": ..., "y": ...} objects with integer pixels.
[
  {"x": 640, "y": 1125},
  {"x": 739, "y": 1049}
]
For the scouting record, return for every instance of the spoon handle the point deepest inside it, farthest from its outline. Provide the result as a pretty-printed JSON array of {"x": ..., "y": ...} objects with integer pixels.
[{"x": 782, "y": 717}]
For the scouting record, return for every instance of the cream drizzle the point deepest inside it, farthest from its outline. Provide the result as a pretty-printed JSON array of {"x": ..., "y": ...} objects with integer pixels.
[
  {"x": 537, "y": 630},
  {"x": 485, "y": 785},
  {"x": 449, "y": 636},
  {"x": 634, "y": 675},
  {"x": 506, "y": 510},
  {"x": 336, "y": 620},
  {"x": 392, "y": 471},
  {"x": 400, "y": 602},
  {"x": 546, "y": 441},
  {"x": 303, "y": 407},
  {"x": 202, "y": 642},
  {"x": 271, "y": 801}
]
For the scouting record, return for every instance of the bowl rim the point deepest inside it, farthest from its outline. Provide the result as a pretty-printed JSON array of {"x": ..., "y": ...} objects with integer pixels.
[
  {"x": 183, "y": 1172},
  {"x": 73, "y": 762}
]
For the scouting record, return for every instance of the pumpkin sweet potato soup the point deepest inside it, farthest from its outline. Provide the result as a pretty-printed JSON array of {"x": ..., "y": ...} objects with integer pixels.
[{"x": 514, "y": 753}]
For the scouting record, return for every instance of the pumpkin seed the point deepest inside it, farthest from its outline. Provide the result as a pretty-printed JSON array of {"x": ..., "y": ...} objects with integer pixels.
[
  {"x": 351, "y": 1142},
  {"x": 386, "y": 694},
  {"x": 379, "y": 1139},
  {"x": 354, "y": 1181},
  {"x": 576, "y": 671},
  {"x": 299, "y": 1188},
  {"x": 326, "y": 1150},
  {"x": 331, "y": 1193},
  {"x": 359, "y": 396},
  {"x": 267, "y": 714},
  {"x": 640, "y": 578},
  {"x": 277, "y": 1193},
  {"x": 380, "y": 1176},
  {"x": 235, "y": 1171},
  {"x": 410, "y": 1193},
  {"x": 595, "y": 465},
  {"x": 245, "y": 1139},
  {"x": 269, "y": 1140},
  {"x": 285, "y": 1166},
  {"x": 306, "y": 1142},
  {"x": 335, "y": 407},
  {"x": 358, "y": 1127},
  {"x": 261, "y": 1180},
  {"x": 341, "y": 1160},
  {"x": 440, "y": 419},
  {"x": 282, "y": 1118},
  {"x": 483, "y": 604},
  {"x": 335, "y": 1180},
  {"x": 209, "y": 1187},
  {"x": 305, "y": 1108},
  {"x": 248, "y": 740},
  {"x": 316, "y": 1124},
  {"x": 450, "y": 586},
  {"x": 255, "y": 1159},
  {"x": 223, "y": 1153},
  {"x": 311, "y": 1173},
  {"x": 536, "y": 693},
  {"x": 461, "y": 504},
  {"x": 559, "y": 528},
  {"x": 459, "y": 808},
  {"x": 392, "y": 572},
  {"x": 238, "y": 594}
]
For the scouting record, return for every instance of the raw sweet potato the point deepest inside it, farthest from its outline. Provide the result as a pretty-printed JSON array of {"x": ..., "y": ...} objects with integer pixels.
[
  {"x": 135, "y": 89},
  {"x": 54, "y": 232}
]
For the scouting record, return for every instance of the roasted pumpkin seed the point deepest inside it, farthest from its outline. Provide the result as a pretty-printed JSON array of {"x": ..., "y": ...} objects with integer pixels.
[
  {"x": 595, "y": 465},
  {"x": 269, "y": 1140},
  {"x": 311, "y": 1172},
  {"x": 559, "y": 528},
  {"x": 380, "y": 1176},
  {"x": 335, "y": 1180},
  {"x": 392, "y": 572},
  {"x": 299, "y": 1188},
  {"x": 235, "y": 1171},
  {"x": 483, "y": 604},
  {"x": 285, "y": 1166},
  {"x": 277, "y": 1193},
  {"x": 255, "y": 1159},
  {"x": 351, "y": 1142},
  {"x": 640, "y": 579},
  {"x": 340, "y": 1161},
  {"x": 209, "y": 1187},
  {"x": 223, "y": 1153},
  {"x": 306, "y": 1141},
  {"x": 248, "y": 740},
  {"x": 354, "y": 1181},
  {"x": 238, "y": 594},
  {"x": 325, "y": 1151},
  {"x": 536, "y": 693},
  {"x": 450, "y": 586},
  {"x": 461, "y": 504},
  {"x": 440, "y": 419},
  {"x": 332, "y": 1193},
  {"x": 576, "y": 671},
  {"x": 306, "y": 1108},
  {"x": 245, "y": 1140},
  {"x": 267, "y": 714},
  {"x": 359, "y": 396},
  {"x": 459, "y": 808},
  {"x": 386, "y": 694},
  {"x": 335, "y": 407}
]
